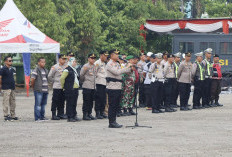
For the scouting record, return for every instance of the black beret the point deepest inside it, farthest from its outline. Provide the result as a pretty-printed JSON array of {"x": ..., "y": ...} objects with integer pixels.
[
  {"x": 170, "y": 55},
  {"x": 216, "y": 55},
  {"x": 153, "y": 56}
]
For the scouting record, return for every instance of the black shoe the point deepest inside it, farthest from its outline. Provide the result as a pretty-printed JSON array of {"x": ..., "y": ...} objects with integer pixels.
[
  {"x": 168, "y": 110},
  {"x": 98, "y": 115},
  {"x": 196, "y": 107},
  {"x": 15, "y": 118},
  {"x": 55, "y": 118},
  {"x": 86, "y": 117},
  {"x": 182, "y": 108},
  {"x": 125, "y": 113},
  {"x": 119, "y": 114},
  {"x": 174, "y": 110},
  {"x": 103, "y": 115},
  {"x": 8, "y": 118},
  {"x": 77, "y": 119},
  {"x": 217, "y": 104},
  {"x": 92, "y": 117},
  {"x": 114, "y": 125},
  {"x": 131, "y": 111},
  {"x": 201, "y": 107},
  {"x": 187, "y": 109},
  {"x": 64, "y": 116},
  {"x": 160, "y": 111},
  {"x": 155, "y": 111},
  {"x": 174, "y": 106},
  {"x": 206, "y": 106},
  {"x": 71, "y": 120}
]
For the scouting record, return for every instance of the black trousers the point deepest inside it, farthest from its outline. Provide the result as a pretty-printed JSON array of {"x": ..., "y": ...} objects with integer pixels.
[
  {"x": 215, "y": 89},
  {"x": 184, "y": 89},
  {"x": 176, "y": 92},
  {"x": 88, "y": 98},
  {"x": 169, "y": 92},
  {"x": 100, "y": 98},
  {"x": 157, "y": 93},
  {"x": 114, "y": 103},
  {"x": 198, "y": 92},
  {"x": 142, "y": 98},
  {"x": 148, "y": 95},
  {"x": 206, "y": 92},
  {"x": 58, "y": 99},
  {"x": 71, "y": 97}
]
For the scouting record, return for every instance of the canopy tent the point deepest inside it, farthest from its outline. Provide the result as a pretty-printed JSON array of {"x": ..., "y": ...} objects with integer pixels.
[
  {"x": 195, "y": 25},
  {"x": 18, "y": 35}
]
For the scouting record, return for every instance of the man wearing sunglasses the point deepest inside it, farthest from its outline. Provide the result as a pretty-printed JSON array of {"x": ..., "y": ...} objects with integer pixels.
[{"x": 7, "y": 85}]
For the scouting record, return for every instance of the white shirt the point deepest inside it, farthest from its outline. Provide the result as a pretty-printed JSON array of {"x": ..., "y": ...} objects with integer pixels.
[{"x": 146, "y": 69}]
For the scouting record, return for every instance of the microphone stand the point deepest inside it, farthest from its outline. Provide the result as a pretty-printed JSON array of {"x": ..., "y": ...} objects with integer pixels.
[{"x": 136, "y": 116}]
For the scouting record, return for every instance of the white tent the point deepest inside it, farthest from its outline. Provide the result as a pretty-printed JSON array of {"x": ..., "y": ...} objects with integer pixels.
[{"x": 18, "y": 35}]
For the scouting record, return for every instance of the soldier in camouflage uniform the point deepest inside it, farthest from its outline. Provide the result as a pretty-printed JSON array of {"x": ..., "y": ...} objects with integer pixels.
[{"x": 128, "y": 90}]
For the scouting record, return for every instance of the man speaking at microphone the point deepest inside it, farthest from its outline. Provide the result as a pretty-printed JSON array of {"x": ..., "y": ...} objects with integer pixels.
[{"x": 114, "y": 86}]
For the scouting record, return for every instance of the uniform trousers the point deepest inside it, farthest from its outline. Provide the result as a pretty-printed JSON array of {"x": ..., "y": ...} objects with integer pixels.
[
  {"x": 114, "y": 103},
  {"x": 169, "y": 92},
  {"x": 198, "y": 92},
  {"x": 71, "y": 97},
  {"x": 100, "y": 98},
  {"x": 88, "y": 98},
  {"x": 157, "y": 93},
  {"x": 184, "y": 89},
  {"x": 58, "y": 99}
]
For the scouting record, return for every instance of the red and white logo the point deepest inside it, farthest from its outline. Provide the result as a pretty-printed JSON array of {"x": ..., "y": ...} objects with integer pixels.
[{"x": 3, "y": 24}]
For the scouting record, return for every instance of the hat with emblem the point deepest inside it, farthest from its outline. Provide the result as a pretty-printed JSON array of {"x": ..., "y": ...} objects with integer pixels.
[
  {"x": 178, "y": 54},
  {"x": 200, "y": 54},
  {"x": 170, "y": 55},
  {"x": 91, "y": 55},
  {"x": 104, "y": 52},
  {"x": 188, "y": 54},
  {"x": 208, "y": 50},
  {"x": 216, "y": 55},
  {"x": 159, "y": 55},
  {"x": 70, "y": 54},
  {"x": 165, "y": 53},
  {"x": 62, "y": 56},
  {"x": 114, "y": 51}
]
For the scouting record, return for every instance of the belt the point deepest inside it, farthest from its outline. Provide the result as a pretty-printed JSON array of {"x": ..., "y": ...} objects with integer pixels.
[
  {"x": 208, "y": 76},
  {"x": 109, "y": 79},
  {"x": 161, "y": 80}
]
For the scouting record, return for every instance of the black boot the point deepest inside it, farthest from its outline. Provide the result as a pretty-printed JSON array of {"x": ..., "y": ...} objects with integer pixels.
[
  {"x": 98, "y": 115},
  {"x": 77, "y": 118},
  {"x": 125, "y": 113},
  {"x": 114, "y": 125},
  {"x": 217, "y": 103},
  {"x": 92, "y": 117},
  {"x": 86, "y": 117},
  {"x": 54, "y": 117},
  {"x": 131, "y": 111},
  {"x": 63, "y": 116},
  {"x": 103, "y": 115}
]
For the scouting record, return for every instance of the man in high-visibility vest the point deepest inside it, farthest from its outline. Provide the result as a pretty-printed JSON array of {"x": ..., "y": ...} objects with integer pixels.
[
  {"x": 198, "y": 76},
  {"x": 176, "y": 63},
  {"x": 208, "y": 78}
]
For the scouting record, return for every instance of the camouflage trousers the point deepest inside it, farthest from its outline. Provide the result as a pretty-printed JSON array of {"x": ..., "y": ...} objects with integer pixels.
[{"x": 8, "y": 101}]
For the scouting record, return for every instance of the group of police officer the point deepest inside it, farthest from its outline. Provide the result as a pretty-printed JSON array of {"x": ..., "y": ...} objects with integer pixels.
[{"x": 163, "y": 77}]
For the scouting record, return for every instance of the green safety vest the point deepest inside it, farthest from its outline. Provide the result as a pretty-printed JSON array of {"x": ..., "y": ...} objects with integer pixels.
[
  {"x": 201, "y": 71},
  {"x": 208, "y": 66},
  {"x": 176, "y": 69}
]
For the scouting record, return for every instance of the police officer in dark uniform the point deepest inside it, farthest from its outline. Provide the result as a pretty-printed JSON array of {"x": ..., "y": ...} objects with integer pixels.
[
  {"x": 114, "y": 86},
  {"x": 176, "y": 63},
  {"x": 169, "y": 75},
  {"x": 198, "y": 76}
]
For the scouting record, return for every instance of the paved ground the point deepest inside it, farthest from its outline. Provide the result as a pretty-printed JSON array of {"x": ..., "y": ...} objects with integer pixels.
[{"x": 194, "y": 133}]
